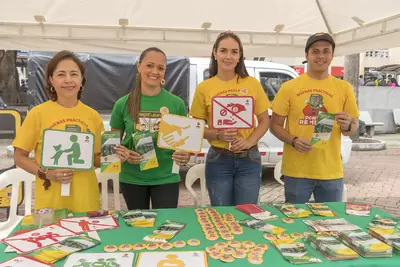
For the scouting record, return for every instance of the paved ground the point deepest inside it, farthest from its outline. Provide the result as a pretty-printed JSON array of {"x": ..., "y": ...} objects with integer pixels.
[{"x": 371, "y": 176}]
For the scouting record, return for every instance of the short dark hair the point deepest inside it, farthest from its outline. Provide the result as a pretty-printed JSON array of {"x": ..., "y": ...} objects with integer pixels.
[
  {"x": 51, "y": 67},
  {"x": 240, "y": 67}
]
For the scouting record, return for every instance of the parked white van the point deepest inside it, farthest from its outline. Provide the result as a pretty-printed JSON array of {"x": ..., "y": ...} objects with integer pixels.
[{"x": 271, "y": 76}]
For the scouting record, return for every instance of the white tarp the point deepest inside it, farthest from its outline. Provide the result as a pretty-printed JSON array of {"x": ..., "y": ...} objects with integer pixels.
[{"x": 176, "y": 25}]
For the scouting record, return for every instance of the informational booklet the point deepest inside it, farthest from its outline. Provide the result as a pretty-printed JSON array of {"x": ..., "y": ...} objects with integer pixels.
[
  {"x": 331, "y": 248},
  {"x": 388, "y": 236},
  {"x": 321, "y": 209},
  {"x": 138, "y": 218},
  {"x": 331, "y": 225},
  {"x": 383, "y": 222},
  {"x": 64, "y": 248},
  {"x": 365, "y": 244},
  {"x": 262, "y": 226},
  {"x": 109, "y": 161},
  {"x": 165, "y": 232},
  {"x": 358, "y": 209},
  {"x": 295, "y": 252},
  {"x": 293, "y": 211},
  {"x": 323, "y": 129},
  {"x": 144, "y": 145},
  {"x": 256, "y": 212}
]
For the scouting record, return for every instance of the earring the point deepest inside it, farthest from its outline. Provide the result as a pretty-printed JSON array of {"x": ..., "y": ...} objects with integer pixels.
[
  {"x": 52, "y": 89},
  {"x": 162, "y": 82},
  {"x": 82, "y": 88}
]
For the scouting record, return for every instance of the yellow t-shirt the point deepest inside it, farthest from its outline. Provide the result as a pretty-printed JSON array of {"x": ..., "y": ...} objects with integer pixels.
[
  {"x": 249, "y": 86},
  {"x": 300, "y": 100},
  {"x": 84, "y": 192}
]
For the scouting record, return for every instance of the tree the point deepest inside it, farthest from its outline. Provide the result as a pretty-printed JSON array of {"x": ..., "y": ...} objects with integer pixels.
[
  {"x": 9, "y": 82},
  {"x": 351, "y": 74}
]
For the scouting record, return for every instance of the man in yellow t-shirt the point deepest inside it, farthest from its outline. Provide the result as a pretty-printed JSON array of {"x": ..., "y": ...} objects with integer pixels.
[{"x": 314, "y": 168}]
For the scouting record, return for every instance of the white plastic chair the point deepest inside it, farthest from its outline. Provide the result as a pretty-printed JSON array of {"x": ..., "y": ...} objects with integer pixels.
[
  {"x": 102, "y": 178},
  {"x": 14, "y": 177},
  {"x": 194, "y": 173},
  {"x": 277, "y": 172}
]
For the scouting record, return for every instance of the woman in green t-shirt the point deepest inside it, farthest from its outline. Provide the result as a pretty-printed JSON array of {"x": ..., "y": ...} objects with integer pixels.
[{"x": 140, "y": 111}]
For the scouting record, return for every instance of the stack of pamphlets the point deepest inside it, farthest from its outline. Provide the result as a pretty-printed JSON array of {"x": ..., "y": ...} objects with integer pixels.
[
  {"x": 256, "y": 212},
  {"x": 358, "y": 209},
  {"x": 365, "y": 244},
  {"x": 262, "y": 226},
  {"x": 139, "y": 218},
  {"x": 331, "y": 225},
  {"x": 386, "y": 230},
  {"x": 293, "y": 211},
  {"x": 331, "y": 248},
  {"x": 321, "y": 209},
  {"x": 165, "y": 232},
  {"x": 295, "y": 252}
]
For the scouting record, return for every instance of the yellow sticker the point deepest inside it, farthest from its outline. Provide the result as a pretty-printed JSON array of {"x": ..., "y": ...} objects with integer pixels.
[
  {"x": 179, "y": 244},
  {"x": 152, "y": 246},
  {"x": 125, "y": 247},
  {"x": 193, "y": 242},
  {"x": 243, "y": 91},
  {"x": 227, "y": 258},
  {"x": 164, "y": 110},
  {"x": 138, "y": 247},
  {"x": 166, "y": 246},
  {"x": 110, "y": 248},
  {"x": 239, "y": 255},
  {"x": 234, "y": 244}
]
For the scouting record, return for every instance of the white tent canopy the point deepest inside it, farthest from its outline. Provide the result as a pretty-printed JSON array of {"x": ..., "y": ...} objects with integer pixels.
[{"x": 267, "y": 28}]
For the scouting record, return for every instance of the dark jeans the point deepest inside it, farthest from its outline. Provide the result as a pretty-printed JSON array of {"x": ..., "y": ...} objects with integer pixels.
[
  {"x": 233, "y": 179},
  {"x": 162, "y": 196},
  {"x": 299, "y": 190}
]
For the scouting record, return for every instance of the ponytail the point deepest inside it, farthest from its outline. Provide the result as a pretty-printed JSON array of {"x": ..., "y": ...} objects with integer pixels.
[{"x": 134, "y": 100}]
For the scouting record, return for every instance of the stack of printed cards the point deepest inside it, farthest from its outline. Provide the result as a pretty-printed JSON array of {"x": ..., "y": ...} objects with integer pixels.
[
  {"x": 331, "y": 248},
  {"x": 365, "y": 244},
  {"x": 165, "y": 232},
  {"x": 295, "y": 252},
  {"x": 293, "y": 211},
  {"x": 138, "y": 218}
]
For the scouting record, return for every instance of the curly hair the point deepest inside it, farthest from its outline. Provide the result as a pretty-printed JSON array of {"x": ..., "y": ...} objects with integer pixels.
[{"x": 51, "y": 67}]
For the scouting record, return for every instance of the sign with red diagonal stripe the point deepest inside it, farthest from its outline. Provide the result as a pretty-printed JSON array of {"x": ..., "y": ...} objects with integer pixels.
[
  {"x": 85, "y": 224},
  {"x": 232, "y": 112},
  {"x": 39, "y": 238}
]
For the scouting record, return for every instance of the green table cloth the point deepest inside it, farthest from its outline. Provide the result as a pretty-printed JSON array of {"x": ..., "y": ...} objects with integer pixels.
[{"x": 129, "y": 235}]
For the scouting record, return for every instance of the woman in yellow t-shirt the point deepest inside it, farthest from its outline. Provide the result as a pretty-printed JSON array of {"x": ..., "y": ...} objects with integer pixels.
[
  {"x": 233, "y": 165},
  {"x": 65, "y": 80}
]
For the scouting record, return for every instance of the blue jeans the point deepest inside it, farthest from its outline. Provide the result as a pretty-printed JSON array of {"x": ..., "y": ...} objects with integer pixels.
[
  {"x": 233, "y": 179},
  {"x": 299, "y": 190}
]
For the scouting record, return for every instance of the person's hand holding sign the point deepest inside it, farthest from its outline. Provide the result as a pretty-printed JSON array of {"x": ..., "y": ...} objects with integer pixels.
[
  {"x": 241, "y": 144},
  {"x": 228, "y": 135}
]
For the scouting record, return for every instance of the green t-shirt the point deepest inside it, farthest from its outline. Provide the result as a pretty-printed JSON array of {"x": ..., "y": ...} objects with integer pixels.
[{"x": 149, "y": 119}]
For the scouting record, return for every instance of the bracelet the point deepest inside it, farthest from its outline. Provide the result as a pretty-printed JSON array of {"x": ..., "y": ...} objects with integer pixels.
[
  {"x": 42, "y": 173},
  {"x": 348, "y": 130},
  {"x": 293, "y": 141}
]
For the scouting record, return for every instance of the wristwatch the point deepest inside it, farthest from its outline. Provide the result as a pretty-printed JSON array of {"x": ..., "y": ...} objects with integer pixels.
[
  {"x": 218, "y": 134},
  {"x": 348, "y": 129},
  {"x": 294, "y": 140}
]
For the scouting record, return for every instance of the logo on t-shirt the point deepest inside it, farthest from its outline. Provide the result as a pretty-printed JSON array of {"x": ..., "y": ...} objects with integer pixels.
[
  {"x": 164, "y": 110},
  {"x": 315, "y": 105},
  {"x": 244, "y": 91}
]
